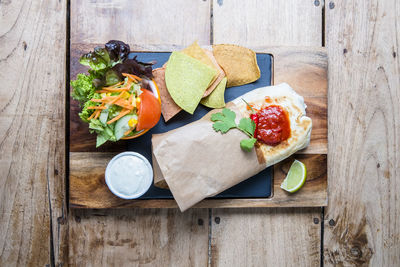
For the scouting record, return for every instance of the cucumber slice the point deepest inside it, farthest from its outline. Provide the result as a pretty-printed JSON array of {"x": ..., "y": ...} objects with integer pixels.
[
  {"x": 122, "y": 126},
  {"x": 104, "y": 116}
]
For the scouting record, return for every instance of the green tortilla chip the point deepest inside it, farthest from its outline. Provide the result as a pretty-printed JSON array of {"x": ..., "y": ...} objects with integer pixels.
[
  {"x": 216, "y": 98},
  {"x": 187, "y": 79}
]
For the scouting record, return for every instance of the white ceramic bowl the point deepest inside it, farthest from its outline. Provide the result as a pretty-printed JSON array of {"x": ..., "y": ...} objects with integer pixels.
[{"x": 129, "y": 175}]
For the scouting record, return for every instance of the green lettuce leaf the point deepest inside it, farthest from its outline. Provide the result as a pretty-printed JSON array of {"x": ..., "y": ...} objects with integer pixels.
[
  {"x": 105, "y": 132},
  {"x": 83, "y": 87}
]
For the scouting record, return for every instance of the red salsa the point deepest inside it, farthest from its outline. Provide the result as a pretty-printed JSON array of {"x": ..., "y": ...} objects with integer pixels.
[{"x": 273, "y": 125}]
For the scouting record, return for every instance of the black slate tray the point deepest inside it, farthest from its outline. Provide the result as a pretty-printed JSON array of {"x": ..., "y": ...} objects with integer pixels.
[{"x": 257, "y": 186}]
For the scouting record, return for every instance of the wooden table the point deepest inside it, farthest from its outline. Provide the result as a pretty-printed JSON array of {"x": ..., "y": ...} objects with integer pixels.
[{"x": 361, "y": 224}]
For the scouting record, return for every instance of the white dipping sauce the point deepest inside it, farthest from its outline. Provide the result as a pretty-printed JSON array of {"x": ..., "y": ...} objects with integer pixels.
[{"x": 129, "y": 175}]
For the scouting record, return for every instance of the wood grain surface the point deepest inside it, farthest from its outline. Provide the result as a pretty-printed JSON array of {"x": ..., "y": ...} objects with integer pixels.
[
  {"x": 32, "y": 133},
  {"x": 88, "y": 188},
  {"x": 142, "y": 22},
  {"x": 362, "y": 221},
  {"x": 144, "y": 237},
  {"x": 260, "y": 23},
  {"x": 265, "y": 237}
]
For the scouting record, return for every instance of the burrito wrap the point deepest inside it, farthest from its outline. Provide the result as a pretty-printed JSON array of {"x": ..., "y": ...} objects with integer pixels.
[{"x": 198, "y": 162}]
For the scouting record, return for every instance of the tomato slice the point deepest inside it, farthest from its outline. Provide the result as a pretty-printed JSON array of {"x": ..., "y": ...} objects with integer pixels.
[{"x": 149, "y": 111}]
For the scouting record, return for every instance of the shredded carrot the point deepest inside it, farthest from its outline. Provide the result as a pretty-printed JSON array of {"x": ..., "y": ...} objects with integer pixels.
[
  {"x": 132, "y": 76},
  {"x": 96, "y": 100},
  {"x": 91, "y": 116},
  {"x": 130, "y": 100},
  {"x": 129, "y": 131},
  {"x": 128, "y": 84},
  {"x": 102, "y": 91},
  {"x": 115, "y": 99},
  {"x": 113, "y": 86},
  {"x": 122, "y": 102},
  {"x": 97, "y": 114},
  {"x": 108, "y": 90},
  {"x": 108, "y": 98},
  {"x": 120, "y": 115},
  {"x": 97, "y": 107}
]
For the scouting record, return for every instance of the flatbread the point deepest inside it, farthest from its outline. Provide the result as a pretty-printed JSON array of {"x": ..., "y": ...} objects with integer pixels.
[
  {"x": 197, "y": 162},
  {"x": 187, "y": 79},
  {"x": 168, "y": 107},
  {"x": 217, "y": 98},
  {"x": 239, "y": 63},
  {"x": 300, "y": 125}
]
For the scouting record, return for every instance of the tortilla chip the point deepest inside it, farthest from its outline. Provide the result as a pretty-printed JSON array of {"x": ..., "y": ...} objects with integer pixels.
[
  {"x": 239, "y": 64},
  {"x": 219, "y": 77},
  {"x": 216, "y": 98},
  {"x": 195, "y": 51},
  {"x": 187, "y": 79},
  {"x": 168, "y": 106}
]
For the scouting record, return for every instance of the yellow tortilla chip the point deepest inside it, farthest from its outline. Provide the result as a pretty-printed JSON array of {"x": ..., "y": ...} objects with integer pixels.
[
  {"x": 239, "y": 64},
  {"x": 168, "y": 107},
  {"x": 216, "y": 98},
  {"x": 195, "y": 51},
  {"x": 187, "y": 79}
]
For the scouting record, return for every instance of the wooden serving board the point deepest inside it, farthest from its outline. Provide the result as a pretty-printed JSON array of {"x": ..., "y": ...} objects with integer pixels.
[{"x": 304, "y": 68}]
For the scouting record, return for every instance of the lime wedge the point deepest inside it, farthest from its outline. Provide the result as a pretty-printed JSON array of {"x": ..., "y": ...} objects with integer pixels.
[{"x": 295, "y": 178}]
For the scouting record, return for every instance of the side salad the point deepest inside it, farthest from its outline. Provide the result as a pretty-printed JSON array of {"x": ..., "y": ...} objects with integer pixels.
[{"x": 116, "y": 95}]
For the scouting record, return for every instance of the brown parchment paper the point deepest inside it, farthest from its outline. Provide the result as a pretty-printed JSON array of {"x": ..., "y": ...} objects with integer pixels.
[{"x": 197, "y": 162}]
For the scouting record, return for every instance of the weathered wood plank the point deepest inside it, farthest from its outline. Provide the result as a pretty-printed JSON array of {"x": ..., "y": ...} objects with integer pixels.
[
  {"x": 145, "y": 237},
  {"x": 158, "y": 237},
  {"x": 143, "y": 22},
  {"x": 265, "y": 237},
  {"x": 88, "y": 188},
  {"x": 32, "y": 129},
  {"x": 363, "y": 217},
  {"x": 260, "y": 23},
  {"x": 283, "y": 237}
]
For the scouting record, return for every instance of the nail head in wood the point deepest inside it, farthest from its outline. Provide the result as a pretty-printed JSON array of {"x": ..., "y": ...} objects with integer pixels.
[
  {"x": 356, "y": 252},
  {"x": 200, "y": 222},
  {"x": 316, "y": 3},
  {"x": 331, "y": 222},
  {"x": 61, "y": 220},
  {"x": 217, "y": 220},
  {"x": 316, "y": 220},
  {"x": 331, "y": 5}
]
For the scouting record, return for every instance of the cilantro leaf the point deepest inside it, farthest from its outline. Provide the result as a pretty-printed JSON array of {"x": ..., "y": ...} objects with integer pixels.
[
  {"x": 229, "y": 114},
  {"x": 247, "y": 125},
  {"x": 224, "y": 121},
  {"x": 247, "y": 144}
]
